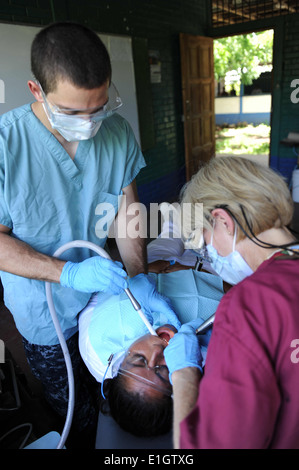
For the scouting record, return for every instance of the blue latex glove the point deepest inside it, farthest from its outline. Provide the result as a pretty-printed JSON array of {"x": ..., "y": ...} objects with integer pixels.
[
  {"x": 183, "y": 349},
  {"x": 144, "y": 290},
  {"x": 94, "y": 274}
]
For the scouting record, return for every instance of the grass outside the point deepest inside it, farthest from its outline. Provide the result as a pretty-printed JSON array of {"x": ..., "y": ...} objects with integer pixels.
[{"x": 243, "y": 139}]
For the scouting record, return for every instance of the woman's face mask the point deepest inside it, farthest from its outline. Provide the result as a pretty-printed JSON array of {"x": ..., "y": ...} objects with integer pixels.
[
  {"x": 80, "y": 126},
  {"x": 232, "y": 268}
]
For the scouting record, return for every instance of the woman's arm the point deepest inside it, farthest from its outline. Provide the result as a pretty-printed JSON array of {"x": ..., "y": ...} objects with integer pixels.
[{"x": 185, "y": 392}]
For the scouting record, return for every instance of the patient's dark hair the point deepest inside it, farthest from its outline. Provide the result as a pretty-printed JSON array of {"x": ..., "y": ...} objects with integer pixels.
[
  {"x": 72, "y": 52},
  {"x": 135, "y": 413}
]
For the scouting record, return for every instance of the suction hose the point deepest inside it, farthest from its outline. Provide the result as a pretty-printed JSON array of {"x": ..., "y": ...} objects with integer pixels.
[{"x": 71, "y": 402}]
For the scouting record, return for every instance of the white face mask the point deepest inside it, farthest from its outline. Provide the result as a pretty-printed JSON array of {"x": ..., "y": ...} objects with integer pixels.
[
  {"x": 232, "y": 268},
  {"x": 80, "y": 127},
  {"x": 75, "y": 129}
]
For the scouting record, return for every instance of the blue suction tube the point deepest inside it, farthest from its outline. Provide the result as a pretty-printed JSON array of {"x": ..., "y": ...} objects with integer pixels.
[{"x": 71, "y": 401}]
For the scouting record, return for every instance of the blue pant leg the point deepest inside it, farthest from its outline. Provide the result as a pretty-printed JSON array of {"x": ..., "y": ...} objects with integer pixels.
[{"x": 48, "y": 365}]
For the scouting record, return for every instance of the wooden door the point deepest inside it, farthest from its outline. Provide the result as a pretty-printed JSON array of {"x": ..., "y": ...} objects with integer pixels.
[{"x": 197, "y": 70}]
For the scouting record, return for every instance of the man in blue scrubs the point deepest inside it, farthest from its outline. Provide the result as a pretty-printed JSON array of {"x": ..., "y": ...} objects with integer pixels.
[{"x": 61, "y": 158}]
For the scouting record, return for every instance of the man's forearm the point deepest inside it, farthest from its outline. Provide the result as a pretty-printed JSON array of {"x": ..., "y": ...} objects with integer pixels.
[
  {"x": 18, "y": 258},
  {"x": 134, "y": 256},
  {"x": 185, "y": 393},
  {"x": 132, "y": 246}
]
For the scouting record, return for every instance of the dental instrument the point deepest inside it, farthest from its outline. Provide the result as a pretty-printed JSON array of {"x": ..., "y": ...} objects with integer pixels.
[
  {"x": 138, "y": 309},
  {"x": 205, "y": 325},
  {"x": 198, "y": 264},
  {"x": 71, "y": 401}
]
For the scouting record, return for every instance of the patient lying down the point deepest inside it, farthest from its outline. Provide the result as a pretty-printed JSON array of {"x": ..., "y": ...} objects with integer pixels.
[
  {"x": 139, "y": 397},
  {"x": 129, "y": 362}
]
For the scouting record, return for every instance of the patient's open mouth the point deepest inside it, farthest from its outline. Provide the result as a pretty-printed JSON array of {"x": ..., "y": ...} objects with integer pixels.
[
  {"x": 164, "y": 333},
  {"x": 165, "y": 336}
]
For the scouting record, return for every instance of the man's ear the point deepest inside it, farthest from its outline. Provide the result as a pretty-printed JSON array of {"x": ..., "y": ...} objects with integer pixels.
[
  {"x": 35, "y": 90},
  {"x": 220, "y": 215}
]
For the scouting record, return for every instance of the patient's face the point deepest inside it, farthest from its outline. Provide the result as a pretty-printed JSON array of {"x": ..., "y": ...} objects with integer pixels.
[{"x": 142, "y": 360}]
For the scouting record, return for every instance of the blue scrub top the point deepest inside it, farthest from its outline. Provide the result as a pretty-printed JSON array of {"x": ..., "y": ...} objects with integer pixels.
[{"x": 48, "y": 199}]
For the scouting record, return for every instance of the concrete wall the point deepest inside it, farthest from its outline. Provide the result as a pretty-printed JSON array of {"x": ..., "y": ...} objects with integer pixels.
[{"x": 252, "y": 109}]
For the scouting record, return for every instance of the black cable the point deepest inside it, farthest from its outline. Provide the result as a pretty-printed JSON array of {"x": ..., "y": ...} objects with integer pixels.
[{"x": 253, "y": 237}]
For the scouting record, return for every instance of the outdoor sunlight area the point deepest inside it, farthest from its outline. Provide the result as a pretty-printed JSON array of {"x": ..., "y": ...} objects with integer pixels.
[
  {"x": 243, "y": 94},
  {"x": 244, "y": 139},
  {"x": 248, "y": 141}
]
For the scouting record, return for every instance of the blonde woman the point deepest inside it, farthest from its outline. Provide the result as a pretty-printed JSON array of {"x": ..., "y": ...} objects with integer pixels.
[{"x": 248, "y": 395}]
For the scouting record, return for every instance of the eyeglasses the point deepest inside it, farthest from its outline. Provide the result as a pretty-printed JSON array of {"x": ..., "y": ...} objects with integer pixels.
[
  {"x": 138, "y": 360},
  {"x": 203, "y": 253},
  {"x": 134, "y": 361},
  {"x": 139, "y": 378},
  {"x": 69, "y": 115},
  {"x": 114, "y": 362},
  {"x": 201, "y": 249}
]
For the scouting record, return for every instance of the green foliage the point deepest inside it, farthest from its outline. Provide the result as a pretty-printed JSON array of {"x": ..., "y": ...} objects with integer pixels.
[
  {"x": 248, "y": 139},
  {"x": 244, "y": 54}
]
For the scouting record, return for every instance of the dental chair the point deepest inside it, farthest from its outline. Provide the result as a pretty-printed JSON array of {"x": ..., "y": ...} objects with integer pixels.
[{"x": 111, "y": 436}]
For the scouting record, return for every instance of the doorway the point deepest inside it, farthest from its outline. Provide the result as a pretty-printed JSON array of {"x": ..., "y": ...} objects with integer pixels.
[
  {"x": 199, "y": 88},
  {"x": 243, "y": 67}
]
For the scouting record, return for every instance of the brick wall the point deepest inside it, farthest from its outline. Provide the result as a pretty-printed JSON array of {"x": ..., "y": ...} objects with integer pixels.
[
  {"x": 160, "y": 21},
  {"x": 286, "y": 157}
]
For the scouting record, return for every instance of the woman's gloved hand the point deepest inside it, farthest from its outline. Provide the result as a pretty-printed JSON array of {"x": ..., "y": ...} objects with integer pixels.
[
  {"x": 144, "y": 290},
  {"x": 94, "y": 274},
  {"x": 183, "y": 349}
]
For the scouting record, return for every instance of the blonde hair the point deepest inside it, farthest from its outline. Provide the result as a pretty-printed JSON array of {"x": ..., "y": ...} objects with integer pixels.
[{"x": 236, "y": 183}]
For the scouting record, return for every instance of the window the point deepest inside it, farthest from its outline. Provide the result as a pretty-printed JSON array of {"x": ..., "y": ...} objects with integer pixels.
[{"x": 229, "y": 12}]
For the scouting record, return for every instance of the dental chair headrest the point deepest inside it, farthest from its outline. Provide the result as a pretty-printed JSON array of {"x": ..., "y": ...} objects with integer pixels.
[{"x": 111, "y": 436}]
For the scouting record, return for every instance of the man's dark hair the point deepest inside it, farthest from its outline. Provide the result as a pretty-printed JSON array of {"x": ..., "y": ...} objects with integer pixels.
[
  {"x": 72, "y": 52},
  {"x": 135, "y": 413}
]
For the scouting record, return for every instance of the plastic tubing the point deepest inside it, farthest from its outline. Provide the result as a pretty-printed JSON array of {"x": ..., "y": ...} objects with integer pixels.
[{"x": 71, "y": 402}]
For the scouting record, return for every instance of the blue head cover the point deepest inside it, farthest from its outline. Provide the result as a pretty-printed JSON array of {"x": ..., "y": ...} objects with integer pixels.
[{"x": 115, "y": 324}]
